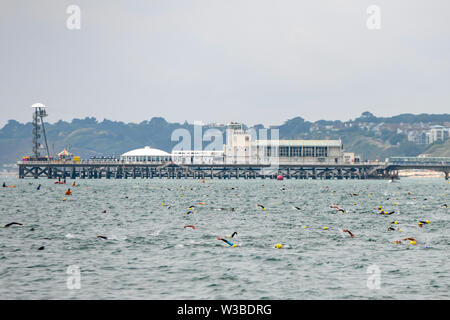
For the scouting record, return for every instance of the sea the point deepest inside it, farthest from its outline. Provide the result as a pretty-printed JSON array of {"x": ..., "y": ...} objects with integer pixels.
[{"x": 289, "y": 244}]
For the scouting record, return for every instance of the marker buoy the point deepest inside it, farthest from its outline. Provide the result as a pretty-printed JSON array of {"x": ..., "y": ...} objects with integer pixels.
[{"x": 280, "y": 177}]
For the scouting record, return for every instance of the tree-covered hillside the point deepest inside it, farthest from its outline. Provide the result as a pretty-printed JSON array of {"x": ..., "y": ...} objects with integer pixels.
[{"x": 371, "y": 137}]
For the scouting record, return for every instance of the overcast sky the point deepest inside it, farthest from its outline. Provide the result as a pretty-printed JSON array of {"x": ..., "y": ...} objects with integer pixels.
[{"x": 256, "y": 61}]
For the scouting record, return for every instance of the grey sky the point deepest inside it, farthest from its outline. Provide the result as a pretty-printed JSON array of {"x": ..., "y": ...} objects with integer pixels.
[{"x": 255, "y": 61}]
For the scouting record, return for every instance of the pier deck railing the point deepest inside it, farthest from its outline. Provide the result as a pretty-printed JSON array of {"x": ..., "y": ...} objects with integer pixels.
[{"x": 97, "y": 169}]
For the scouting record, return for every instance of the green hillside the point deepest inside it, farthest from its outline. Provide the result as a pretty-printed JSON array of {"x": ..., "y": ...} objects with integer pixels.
[
  {"x": 439, "y": 149},
  {"x": 88, "y": 137}
]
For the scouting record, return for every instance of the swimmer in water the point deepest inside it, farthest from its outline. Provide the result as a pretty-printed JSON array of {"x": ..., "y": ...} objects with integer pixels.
[
  {"x": 385, "y": 212},
  {"x": 68, "y": 192},
  {"x": 261, "y": 206},
  {"x": 102, "y": 237},
  {"x": 234, "y": 233},
  {"x": 412, "y": 240},
  {"x": 38, "y": 187},
  {"x": 226, "y": 241},
  {"x": 334, "y": 206},
  {"x": 11, "y": 224},
  {"x": 74, "y": 184},
  {"x": 190, "y": 226},
  {"x": 421, "y": 223},
  {"x": 4, "y": 185},
  {"x": 349, "y": 232},
  {"x": 296, "y": 208}
]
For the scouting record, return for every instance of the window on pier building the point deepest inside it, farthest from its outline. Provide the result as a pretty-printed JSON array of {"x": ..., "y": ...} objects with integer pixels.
[
  {"x": 321, "y": 152},
  {"x": 284, "y": 151},
  {"x": 308, "y": 151},
  {"x": 296, "y": 151},
  {"x": 268, "y": 151}
]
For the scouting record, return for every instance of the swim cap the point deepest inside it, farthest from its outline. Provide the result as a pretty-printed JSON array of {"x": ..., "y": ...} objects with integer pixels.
[
  {"x": 278, "y": 246},
  {"x": 325, "y": 228},
  {"x": 412, "y": 242}
]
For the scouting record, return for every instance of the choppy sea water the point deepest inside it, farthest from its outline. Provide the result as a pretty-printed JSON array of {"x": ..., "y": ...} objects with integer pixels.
[{"x": 150, "y": 255}]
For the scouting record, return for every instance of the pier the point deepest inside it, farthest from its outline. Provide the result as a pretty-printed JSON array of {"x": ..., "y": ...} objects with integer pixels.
[{"x": 170, "y": 170}]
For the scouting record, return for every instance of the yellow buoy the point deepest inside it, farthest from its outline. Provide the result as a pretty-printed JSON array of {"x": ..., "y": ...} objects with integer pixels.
[{"x": 325, "y": 228}]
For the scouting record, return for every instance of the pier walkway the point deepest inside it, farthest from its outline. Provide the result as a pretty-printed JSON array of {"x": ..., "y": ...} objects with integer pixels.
[{"x": 169, "y": 170}]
